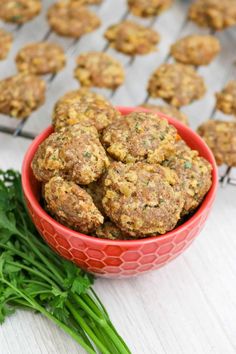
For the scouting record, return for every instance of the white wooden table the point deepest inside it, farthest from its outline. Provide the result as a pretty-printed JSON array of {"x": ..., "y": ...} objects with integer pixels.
[{"x": 189, "y": 306}]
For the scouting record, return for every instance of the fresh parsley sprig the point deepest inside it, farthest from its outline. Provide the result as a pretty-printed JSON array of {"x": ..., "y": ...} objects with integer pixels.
[{"x": 33, "y": 277}]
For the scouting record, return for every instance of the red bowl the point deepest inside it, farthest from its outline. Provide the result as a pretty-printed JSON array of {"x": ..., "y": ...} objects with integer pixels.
[{"x": 117, "y": 258}]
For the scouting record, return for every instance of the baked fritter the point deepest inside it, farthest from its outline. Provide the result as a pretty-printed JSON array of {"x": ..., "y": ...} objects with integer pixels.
[
  {"x": 100, "y": 70},
  {"x": 220, "y": 136},
  {"x": 168, "y": 110},
  {"x": 21, "y": 94},
  {"x": 195, "y": 49},
  {"x": 194, "y": 173},
  {"x": 96, "y": 191},
  {"x": 6, "y": 39},
  {"x": 142, "y": 199},
  {"x": 19, "y": 11},
  {"x": 83, "y": 106},
  {"x": 41, "y": 58},
  {"x": 226, "y": 99},
  {"x": 177, "y": 84},
  {"x": 216, "y": 14},
  {"x": 74, "y": 153},
  {"x": 71, "y": 205},
  {"x": 132, "y": 38},
  {"x": 110, "y": 231},
  {"x": 140, "y": 137},
  {"x": 147, "y": 8},
  {"x": 69, "y": 19}
]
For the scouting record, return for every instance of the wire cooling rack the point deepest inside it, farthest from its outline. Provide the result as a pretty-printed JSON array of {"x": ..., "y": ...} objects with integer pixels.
[{"x": 171, "y": 25}]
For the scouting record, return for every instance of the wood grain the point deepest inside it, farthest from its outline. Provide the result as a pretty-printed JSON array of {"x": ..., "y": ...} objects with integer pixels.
[{"x": 188, "y": 306}]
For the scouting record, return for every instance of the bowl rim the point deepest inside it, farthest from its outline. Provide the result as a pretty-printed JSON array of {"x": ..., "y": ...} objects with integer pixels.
[{"x": 30, "y": 196}]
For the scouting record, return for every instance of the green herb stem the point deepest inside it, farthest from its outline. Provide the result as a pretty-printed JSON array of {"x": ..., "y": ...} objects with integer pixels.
[
  {"x": 43, "y": 258},
  {"x": 33, "y": 304},
  {"x": 68, "y": 330},
  {"x": 86, "y": 328},
  {"x": 33, "y": 271},
  {"x": 27, "y": 258},
  {"x": 104, "y": 324},
  {"x": 87, "y": 309},
  {"x": 92, "y": 304},
  {"x": 34, "y": 277},
  {"x": 103, "y": 311}
]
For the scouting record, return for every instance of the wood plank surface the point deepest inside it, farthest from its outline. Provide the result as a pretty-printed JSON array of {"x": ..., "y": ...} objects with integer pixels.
[{"x": 189, "y": 306}]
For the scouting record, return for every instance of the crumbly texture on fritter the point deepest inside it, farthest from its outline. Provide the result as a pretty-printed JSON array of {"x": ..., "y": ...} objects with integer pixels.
[
  {"x": 142, "y": 199},
  {"x": 100, "y": 70},
  {"x": 21, "y": 94},
  {"x": 19, "y": 11},
  {"x": 83, "y": 106},
  {"x": 195, "y": 49},
  {"x": 140, "y": 137},
  {"x": 169, "y": 111},
  {"x": 194, "y": 173},
  {"x": 74, "y": 153},
  {"x": 147, "y": 8},
  {"x": 71, "y": 20},
  {"x": 71, "y": 205},
  {"x": 41, "y": 58},
  {"x": 132, "y": 38},
  {"x": 177, "y": 84},
  {"x": 110, "y": 231},
  {"x": 226, "y": 99},
  {"x": 6, "y": 40},
  {"x": 96, "y": 191},
  {"x": 216, "y": 14},
  {"x": 220, "y": 136}
]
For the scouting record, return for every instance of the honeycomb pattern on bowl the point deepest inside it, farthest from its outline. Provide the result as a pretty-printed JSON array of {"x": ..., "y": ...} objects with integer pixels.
[
  {"x": 118, "y": 258},
  {"x": 110, "y": 259}
]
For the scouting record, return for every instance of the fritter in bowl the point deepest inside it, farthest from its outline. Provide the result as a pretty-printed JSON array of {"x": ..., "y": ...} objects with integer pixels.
[
  {"x": 74, "y": 153},
  {"x": 140, "y": 137},
  {"x": 142, "y": 199},
  {"x": 83, "y": 106},
  {"x": 194, "y": 173},
  {"x": 71, "y": 205}
]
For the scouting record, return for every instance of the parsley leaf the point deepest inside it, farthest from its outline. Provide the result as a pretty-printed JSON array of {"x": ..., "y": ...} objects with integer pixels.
[{"x": 32, "y": 276}]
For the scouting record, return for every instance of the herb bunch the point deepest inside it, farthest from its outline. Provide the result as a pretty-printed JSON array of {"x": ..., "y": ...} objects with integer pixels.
[{"x": 33, "y": 277}]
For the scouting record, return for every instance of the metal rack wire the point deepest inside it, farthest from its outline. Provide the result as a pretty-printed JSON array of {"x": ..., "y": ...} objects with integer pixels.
[{"x": 226, "y": 177}]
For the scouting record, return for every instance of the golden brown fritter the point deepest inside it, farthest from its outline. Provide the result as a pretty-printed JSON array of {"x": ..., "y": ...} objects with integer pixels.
[
  {"x": 100, "y": 70},
  {"x": 96, "y": 191},
  {"x": 83, "y": 106},
  {"x": 6, "y": 39},
  {"x": 194, "y": 173},
  {"x": 147, "y": 8},
  {"x": 71, "y": 20},
  {"x": 41, "y": 58},
  {"x": 220, "y": 136},
  {"x": 216, "y": 14},
  {"x": 195, "y": 49},
  {"x": 110, "y": 231},
  {"x": 140, "y": 137},
  {"x": 177, "y": 84},
  {"x": 75, "y": 153},
  {"x": 71, "y": 205},
  {"x": 19, "y": 11},
  {"x": 168, "y": 110},
  {"x": 142, "y": 199},
  {"x": 226, "y": 99},
  {"x": 21, "y": 94},
  {"x": 132, "y": 38}
]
